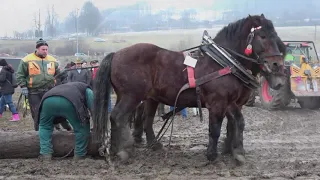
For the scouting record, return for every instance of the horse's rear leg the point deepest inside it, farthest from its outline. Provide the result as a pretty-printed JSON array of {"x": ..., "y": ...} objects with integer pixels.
[
  {"x": 121, "y": 138},
  {"x": 150, "y": 109}
]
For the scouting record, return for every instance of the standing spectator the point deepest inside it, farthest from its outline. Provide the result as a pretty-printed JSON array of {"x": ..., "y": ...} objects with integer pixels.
[
  {"x": 84, "y": 64},
  {"x": 62, "y": 78},
  {"x": 7, "y": 89},
  {"x": 35, "y": 76},
  {"x": 183, "y": 112},
  {"x": 80, "y": 75},
  {"x": 95, "y": 69},
  {"x": 72, "y": 65}
]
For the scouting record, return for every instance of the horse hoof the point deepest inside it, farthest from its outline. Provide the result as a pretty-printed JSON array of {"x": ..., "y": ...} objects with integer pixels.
[
  {"x": 212, "y": 156},
  {"x": 240, "y": 159},
  {"x": 123, "y": 155},
  {"x": 226, "y": 147},
  {"x": 138, "y": 140},
  {"x": 226, "y": 150},
  {"x": 157, "y": 146}
]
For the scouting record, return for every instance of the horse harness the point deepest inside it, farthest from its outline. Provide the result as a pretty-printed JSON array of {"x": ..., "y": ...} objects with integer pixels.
[
  {"x": 230, "y": 65},
  {"x": 221, "y": 55}
]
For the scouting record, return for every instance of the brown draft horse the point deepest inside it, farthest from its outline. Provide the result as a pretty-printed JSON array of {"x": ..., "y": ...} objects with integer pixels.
[{"x": 146, "y": 72}]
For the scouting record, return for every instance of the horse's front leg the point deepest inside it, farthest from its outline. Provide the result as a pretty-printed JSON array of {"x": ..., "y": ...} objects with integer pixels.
[
  {"x": 216, "y": 115},
  {"x": 138, "y": 123},
  {"x": 235, "y": 127},
  {"x": 227, "y": 148},
  {"x": 238, "y": 151}
]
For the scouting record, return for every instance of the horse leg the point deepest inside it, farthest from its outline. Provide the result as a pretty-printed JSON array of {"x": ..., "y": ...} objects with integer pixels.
[
  {"x": 227, "y": 148},
  {"x": 216, "y": 115},
  {"x": 138, "y": 123},
  {"x": 121, "y": 138},
  {"x": 150, "y": 109},
  {"x": 234, "y": 142},
  {"x": 113, "y": 129},
  {"x": 238, "y": 151}
]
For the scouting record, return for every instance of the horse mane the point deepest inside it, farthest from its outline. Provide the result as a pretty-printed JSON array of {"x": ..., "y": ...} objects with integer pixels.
[
  {"x": 282, "y": 47},
  {"x": 236, "y": 34},
  {"x": 233, "y": 30},
  {"x": 239, "y": 30}
]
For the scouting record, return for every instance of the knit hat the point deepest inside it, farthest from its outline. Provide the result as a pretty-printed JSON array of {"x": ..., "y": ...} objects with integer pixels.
[
  {"x": 41, "y": 42},
  {"x": 3, "y": 62}
]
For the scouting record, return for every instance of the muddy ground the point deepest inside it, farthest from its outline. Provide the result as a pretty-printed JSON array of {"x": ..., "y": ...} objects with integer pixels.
[{"x": 279, "y": 145}]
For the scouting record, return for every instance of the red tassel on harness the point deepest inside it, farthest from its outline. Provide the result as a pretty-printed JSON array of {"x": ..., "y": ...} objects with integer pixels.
[{"x": 248, "y": 50}]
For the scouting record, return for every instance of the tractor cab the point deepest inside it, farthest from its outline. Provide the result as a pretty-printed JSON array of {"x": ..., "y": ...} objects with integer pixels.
[
  {"x": 302, "y": 60},
  {"x": 296, "y": 51}
]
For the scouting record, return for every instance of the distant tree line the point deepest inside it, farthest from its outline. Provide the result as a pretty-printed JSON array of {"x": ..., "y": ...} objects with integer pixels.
[{"x": 139, "y": 17}]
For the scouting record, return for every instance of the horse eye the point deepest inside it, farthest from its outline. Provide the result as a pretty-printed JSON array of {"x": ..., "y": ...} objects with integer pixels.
[{"x": 263, "y": 36}]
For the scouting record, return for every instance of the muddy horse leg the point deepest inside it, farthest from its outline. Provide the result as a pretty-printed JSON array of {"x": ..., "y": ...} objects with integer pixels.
[
  {"x": 121, "y": 138},
  {"x": 229, "y": 136},
  {"x": 150, "y": 109},
  {"x": 112, "y": 129},
  {"x": 235, "y": 128},
  {"x": 238, "y": 150},
  {"x": 138, "y": 123},
  {"x": 216, "y": 115}
]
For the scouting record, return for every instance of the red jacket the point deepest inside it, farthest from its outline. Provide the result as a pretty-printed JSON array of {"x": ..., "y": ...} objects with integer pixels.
[{"x": 94, "y": 72}]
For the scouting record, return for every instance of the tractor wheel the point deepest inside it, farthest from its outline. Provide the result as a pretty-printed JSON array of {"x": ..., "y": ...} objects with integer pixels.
[
  {"x": 309, "y": 102},
  {"x": 274, "y": 99}
]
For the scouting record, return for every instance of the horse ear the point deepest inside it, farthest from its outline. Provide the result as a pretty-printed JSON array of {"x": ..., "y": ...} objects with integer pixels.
[{"x": 262, "y": 16}]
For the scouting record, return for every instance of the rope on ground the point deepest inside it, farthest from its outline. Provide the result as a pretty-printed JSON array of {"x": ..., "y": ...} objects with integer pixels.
[{"x": 59, "y": 158}]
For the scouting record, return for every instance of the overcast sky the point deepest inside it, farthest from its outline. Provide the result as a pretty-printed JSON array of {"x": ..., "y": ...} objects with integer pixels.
[{"x": 19, "y": 14}]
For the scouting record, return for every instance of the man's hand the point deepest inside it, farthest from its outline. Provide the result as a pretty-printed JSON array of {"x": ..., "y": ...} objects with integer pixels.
[{"x": 24, "y": 91}]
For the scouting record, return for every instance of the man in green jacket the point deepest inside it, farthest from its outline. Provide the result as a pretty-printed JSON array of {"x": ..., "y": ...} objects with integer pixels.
[
  {"x": 72, "y": 101},
  {"x": 35, "y": 75}
]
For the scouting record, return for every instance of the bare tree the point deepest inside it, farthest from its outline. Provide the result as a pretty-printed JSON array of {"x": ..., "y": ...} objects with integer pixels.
[
  {"x": 51, "y": 22},
  {"x": 37, "y": 25}
]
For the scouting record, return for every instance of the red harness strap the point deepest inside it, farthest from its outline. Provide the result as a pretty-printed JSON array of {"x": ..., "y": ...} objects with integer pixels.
[
  {"x": 192, "y": 81},
  {"x": 190, "y": 70}
]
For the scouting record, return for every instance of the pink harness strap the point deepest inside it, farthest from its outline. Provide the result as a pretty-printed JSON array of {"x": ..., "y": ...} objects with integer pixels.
[{"x": 190, "y": 70}]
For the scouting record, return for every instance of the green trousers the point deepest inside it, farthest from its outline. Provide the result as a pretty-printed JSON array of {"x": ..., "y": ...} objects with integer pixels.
[{"x": 59, "y": 106}]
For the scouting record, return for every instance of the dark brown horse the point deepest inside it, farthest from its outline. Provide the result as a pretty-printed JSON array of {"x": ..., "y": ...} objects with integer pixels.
[{"x": 146, "y": 72}]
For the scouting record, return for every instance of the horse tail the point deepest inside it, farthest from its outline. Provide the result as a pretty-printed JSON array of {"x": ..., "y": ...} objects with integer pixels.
[{"x": 101, "y": 88}]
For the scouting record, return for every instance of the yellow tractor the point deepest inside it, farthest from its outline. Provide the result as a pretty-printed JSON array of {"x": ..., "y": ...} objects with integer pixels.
[
  {"x": 304, "y": 81},
  {"x": 303, "y": 70}
]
